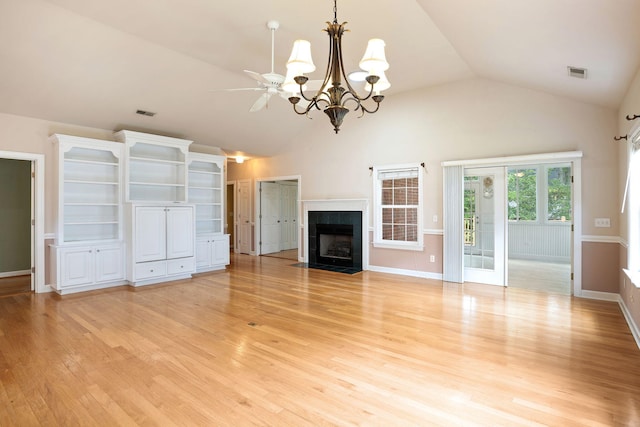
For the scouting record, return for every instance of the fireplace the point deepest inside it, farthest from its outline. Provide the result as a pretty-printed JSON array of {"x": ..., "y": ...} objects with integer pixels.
[{"x": 335, "y": 240}]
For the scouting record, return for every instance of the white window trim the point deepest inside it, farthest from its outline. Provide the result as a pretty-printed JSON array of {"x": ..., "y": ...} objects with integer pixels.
[
  {"x": 632, "y": 197},
  {"x": 378, "y": 242}
]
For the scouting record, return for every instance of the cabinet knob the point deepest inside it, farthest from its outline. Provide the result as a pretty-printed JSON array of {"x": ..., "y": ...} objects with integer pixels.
[
  {"x": 151, "y": 271},
  {"x": 90, "y": 251},
  {"x": 97, "y": 250}
]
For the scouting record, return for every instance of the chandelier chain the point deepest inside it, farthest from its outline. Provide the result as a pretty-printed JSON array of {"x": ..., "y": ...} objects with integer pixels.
[{"x": 335, "y": 11}]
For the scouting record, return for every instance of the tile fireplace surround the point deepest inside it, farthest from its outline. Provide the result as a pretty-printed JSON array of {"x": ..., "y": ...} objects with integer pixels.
[{"x": 338, "y": 205}]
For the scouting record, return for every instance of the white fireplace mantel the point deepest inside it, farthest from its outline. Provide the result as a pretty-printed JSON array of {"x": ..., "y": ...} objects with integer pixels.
[{"x": 358, "y": 205}]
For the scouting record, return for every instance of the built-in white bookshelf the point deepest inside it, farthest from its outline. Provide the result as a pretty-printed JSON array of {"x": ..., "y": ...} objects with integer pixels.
[
  {"x": 156, "y": 168},
  {"x": 88, "y": 252},
  {"x": 89, "y": 178},
  {"x": 206, "y": 180},
  {"x": 206, "y": 191}
]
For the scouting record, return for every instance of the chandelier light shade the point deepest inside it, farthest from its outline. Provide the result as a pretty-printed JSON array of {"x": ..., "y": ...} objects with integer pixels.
[{"x": 333, "y": 97}]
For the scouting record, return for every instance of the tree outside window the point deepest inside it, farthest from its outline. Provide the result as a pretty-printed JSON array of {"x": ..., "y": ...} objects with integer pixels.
[
  {"x": 559, "y": 193},
  {"x": 522, "y": 191}
]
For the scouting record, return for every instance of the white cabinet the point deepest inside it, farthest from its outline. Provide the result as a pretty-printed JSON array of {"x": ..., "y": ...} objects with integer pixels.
[
  {"x": 161, "y": 240},
  {"x": 156, "y": 167},
  {"x": 206, "y": 191},
  {"x": 212, "y": 252},
  {"x": 83, "y": 268},
  {"x": 88, "y": 252}
]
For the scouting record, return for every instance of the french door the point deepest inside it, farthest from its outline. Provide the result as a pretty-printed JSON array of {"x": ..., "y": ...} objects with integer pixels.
[{"x": 484, "y": 226}]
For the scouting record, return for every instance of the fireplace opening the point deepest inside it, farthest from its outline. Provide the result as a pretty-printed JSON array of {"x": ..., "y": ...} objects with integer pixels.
[
  {"x": 335, "y": 241},
  {"x": 335, "y": 244}
]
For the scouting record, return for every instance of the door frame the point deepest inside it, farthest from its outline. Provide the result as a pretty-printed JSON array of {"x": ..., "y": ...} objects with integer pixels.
[
  {"x": 258, "y": 212},
  {"x": 226, "y": 227},
  {"x": 37, "y": 207},
  {"x": 573, "y": 157}
]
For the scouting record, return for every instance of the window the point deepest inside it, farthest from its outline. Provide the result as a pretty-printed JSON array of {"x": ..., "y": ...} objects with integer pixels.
[
  {"x": 559, "y": 193},
  {"x": 631, "y": 207},
  {"x": 398, "y": 206},
  {"x": 539, "y": 193},
  {"x": 522, "y": 187}
]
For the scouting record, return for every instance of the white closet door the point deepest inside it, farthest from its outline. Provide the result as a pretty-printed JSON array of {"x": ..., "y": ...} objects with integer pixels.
[{"x": 270, "y": 217}]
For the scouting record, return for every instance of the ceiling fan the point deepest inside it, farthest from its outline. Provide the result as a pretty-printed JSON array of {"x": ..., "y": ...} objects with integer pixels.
[{"x": 268, "y": 83}]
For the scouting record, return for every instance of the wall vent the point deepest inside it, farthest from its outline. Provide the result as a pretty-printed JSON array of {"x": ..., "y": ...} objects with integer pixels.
[
  {"x": 145, "y": 113},
  {"x": 579, "y": 73}
]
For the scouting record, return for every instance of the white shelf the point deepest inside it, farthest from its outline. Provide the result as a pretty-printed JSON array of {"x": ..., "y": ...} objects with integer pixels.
[
  {"x": 88, "y": 196},
  {"x": 156, "y": 167},
  {"x": 206, "y": 191}
]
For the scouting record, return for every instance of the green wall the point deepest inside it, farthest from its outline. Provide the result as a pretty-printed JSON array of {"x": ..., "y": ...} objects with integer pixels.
[{"x": 15, "y": 215}]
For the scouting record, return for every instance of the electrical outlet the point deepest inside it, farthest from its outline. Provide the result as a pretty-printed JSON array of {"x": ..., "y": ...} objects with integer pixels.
[
  {"x": 435, "y": 218},
  {"x": 602, "y": 222},
  {"x": 432, "y": 258}
]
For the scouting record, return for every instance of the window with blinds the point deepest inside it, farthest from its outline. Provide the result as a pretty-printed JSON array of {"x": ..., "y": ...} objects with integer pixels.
[{"x": 397, "y": 205}]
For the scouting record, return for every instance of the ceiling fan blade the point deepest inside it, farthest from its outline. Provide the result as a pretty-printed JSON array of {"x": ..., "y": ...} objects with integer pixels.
[
  {"x": 244, "y": 88},
  {"x": 256, "y": 76},
  {"x": 260, "y": 102},
  {"x": 238, "y": 89}
]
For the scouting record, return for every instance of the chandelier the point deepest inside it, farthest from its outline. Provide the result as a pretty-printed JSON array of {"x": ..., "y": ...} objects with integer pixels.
[{"x": 333, "y": 97}]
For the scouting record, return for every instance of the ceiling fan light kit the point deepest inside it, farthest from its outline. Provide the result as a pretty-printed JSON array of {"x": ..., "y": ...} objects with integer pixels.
[{"x": 332, "y": 95}]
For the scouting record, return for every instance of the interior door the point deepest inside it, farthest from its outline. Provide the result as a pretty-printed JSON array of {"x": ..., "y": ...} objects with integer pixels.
[
  {"x": 243, "y": 203},
  {"x": 484, "y": 226},
  {"x": 270, "y": 224},
  {"x": 289, "y": 212}
]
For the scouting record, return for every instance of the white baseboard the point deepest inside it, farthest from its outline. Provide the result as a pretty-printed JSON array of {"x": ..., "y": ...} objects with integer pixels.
[
  {"x": 632, "y": 325},
  {"x": 402, "y": 272},
  {"x": 603, "y": 296},
  {"x": 608, "y": 296},
  {"x": 15, "y": 273}
]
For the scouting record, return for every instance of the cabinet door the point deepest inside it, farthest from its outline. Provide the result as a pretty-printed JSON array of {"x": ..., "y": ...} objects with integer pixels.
[
  {"x": 77, "y": 267},
  {"x": 203, "y": 252},
  {"x": 150, "y": 234},
  {"x": 220, "y": 250},
  {"x": 109, "y": 265},
  {"x": 180, "y": 232}
]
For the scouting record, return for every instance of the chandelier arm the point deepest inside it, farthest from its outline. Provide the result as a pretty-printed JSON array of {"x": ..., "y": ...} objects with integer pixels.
[
  {"x": 365, "y": 109},
  {"x": 319, "y": 100},
  {"x": 304, "y": 111},
  {"x": 304, "y": 96}
]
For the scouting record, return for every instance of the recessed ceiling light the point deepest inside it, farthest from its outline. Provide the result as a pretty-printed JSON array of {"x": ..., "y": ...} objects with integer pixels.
[
  {"x": 145, "y": 113},
  {"x": 579, "y": 73}
]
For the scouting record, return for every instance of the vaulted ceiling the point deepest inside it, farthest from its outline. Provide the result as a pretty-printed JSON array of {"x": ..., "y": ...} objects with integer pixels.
[{"x": 95, "y": 62}]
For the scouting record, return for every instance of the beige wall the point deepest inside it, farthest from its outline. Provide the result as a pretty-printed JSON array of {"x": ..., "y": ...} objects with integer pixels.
[{"x": 471, "y": 119}]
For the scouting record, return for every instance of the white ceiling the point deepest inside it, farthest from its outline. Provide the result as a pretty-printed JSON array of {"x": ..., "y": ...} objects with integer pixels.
[{"x": 95, "y": 62}]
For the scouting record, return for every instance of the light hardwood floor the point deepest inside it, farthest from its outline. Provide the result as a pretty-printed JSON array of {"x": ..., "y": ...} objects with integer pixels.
[
  {"x": 267, "y": 343},
  {"x": 15, "y": 285},
  {"x": 540, "y": 276}
]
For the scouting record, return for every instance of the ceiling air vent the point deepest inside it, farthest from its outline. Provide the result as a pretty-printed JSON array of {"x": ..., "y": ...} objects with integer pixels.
[
  {"x": 145, "y": 113},
  {"x": 579, "y": 73}
]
